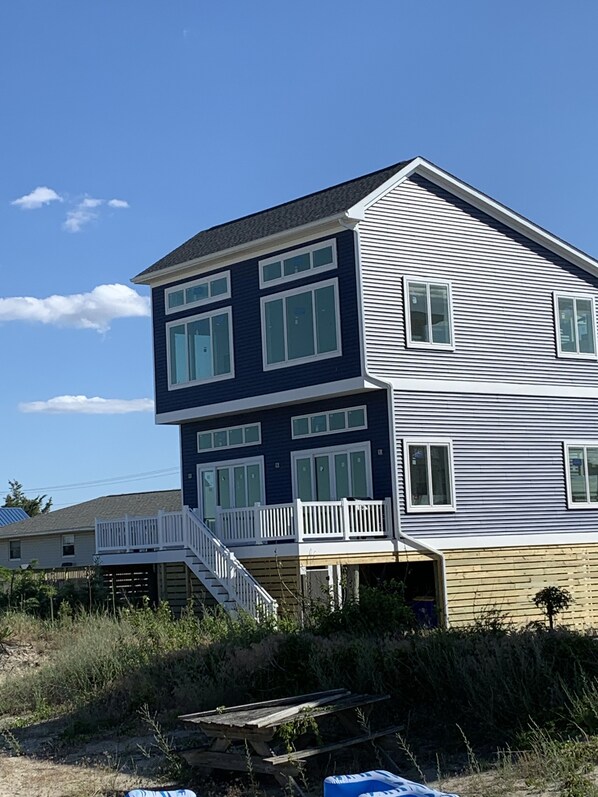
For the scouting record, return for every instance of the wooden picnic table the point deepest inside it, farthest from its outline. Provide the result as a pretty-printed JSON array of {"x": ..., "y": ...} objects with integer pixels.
[{"x": 256, "y": 725}]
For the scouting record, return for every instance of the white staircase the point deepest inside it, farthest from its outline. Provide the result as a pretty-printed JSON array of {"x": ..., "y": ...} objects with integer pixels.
[{"x": 221, "y": 573}]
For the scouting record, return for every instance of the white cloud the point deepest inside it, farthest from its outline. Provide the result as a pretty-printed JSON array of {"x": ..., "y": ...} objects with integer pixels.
[
  {"x": 42, "y": 195},
  {"x": 82, "y": 405},
  {"x": 118, "y": 203},
  {"x": 90, "y": 202},
  {"x": 93, "y": 310}
]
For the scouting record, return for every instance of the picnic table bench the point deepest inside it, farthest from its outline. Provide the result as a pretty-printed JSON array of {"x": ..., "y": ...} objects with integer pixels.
[{"x": 256, "y": 725}]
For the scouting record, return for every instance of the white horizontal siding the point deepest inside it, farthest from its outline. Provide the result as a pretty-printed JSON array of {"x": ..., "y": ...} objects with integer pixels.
[
  {"x": 508, "y": 459},
  {"x": 502, "y": 289},
  {"x": 46, "y": 550}
]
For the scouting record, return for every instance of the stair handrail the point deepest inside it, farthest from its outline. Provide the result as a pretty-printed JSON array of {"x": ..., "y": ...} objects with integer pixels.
[{"x": 263, "y": 604}]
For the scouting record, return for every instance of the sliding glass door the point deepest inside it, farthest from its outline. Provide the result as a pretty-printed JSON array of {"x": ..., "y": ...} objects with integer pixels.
[
  {"x": 229, "y": 485},
  {"x": 329, "y": 474}
]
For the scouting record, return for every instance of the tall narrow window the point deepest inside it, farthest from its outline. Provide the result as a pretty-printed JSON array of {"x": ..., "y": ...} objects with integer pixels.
[
  {"x": 428, "y": 314},
  {"x": 14, "y": 549},
  {"x": 576, "y": 326},
  {"x": 200, "y": 348},
  {"x": 301, "y": 325},
  {"x": 68, "y": 544},
  {"x": 582, "y": 474},
  {"x": 429, "y": 475}
]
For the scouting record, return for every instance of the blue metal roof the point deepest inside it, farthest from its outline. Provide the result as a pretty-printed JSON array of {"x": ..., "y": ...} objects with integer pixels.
[{"x": 11, "y": 514}]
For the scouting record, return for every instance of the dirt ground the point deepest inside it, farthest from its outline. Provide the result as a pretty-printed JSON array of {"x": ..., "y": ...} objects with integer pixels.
[{"x": 35, "y": 761}]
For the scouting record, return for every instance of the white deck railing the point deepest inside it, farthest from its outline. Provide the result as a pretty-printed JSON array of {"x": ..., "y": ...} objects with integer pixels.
[
  {"x": 161, "y": 531},
  {"x": 304, "y": 520},
  {"x": 297, "y": 522},
  {"x": 242, "y": 587}
]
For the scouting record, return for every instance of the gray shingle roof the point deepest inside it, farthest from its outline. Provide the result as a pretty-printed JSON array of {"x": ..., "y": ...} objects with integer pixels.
[
  {"x": 296, "y": 213},
  {"x": 81, "y": 517},
  {"x": 11, "y": 514}
]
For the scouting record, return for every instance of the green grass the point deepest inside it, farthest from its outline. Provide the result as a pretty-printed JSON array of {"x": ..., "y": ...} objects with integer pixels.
[{"x": 489, "y": 685}]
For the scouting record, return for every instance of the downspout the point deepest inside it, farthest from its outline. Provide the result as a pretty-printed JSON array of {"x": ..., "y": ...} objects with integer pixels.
[{"x": 433, "y": 552}]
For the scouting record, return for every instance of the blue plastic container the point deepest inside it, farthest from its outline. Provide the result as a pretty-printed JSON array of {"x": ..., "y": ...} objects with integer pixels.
[
  {"x": 146, "y": 793},
  {"x": 377, "y": 782}
]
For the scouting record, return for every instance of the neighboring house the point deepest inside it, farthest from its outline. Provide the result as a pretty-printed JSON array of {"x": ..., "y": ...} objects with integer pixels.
[
  {"x": 65, "y": 538},
  {"x": 398, "y": 375},
  {"x": 11, "y": 514}
]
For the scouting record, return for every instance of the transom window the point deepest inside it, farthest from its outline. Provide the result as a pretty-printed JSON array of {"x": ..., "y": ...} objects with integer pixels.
[
  {"x": 14, "y": 549},
  {"x": 429, "y": 475},
  {"x": 428, "y": 314},
  {"x": 298, "y": 263},
  {"x": 329, "y": 422},
  {"x": 329, "y": 474},
  {"x": 68, "y": 544},
  {"x": 576, "y": 325},
  {"x": 198, "y": 292},
  {"x": 230, "y": 485},
  {"x": 582, "y": 474},
  {"x": 200, "y": 348},
  {"x": 232, "y": 437},
  {"x": 301, "y": 325}
]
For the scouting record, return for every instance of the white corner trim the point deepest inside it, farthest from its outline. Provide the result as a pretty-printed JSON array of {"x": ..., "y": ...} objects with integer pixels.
[
  {"x": 492, "y": 388},
  {"x": 327, "y": 390},
  {"x": 483, "y": 202}
]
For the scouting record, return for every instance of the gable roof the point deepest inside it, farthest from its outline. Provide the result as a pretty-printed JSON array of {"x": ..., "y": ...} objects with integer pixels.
[
  {"x": 11, "y": 514},
  {"x": 81, "y": 517},
  {"x": 314, "y": 207},
  {"x": 349, "y": 200}
]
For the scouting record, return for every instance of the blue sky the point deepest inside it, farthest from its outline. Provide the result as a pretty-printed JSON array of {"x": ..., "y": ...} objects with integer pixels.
[{"x": 146, "y": 121}]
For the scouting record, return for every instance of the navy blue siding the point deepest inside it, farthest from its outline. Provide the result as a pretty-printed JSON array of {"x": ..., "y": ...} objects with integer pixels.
[
  {"x": 277, "y": 445},
  {"x": 250, "y": 378}
]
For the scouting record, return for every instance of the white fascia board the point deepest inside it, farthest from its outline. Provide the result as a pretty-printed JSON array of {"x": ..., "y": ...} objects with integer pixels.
[
  {"x": 251, "y": 249},
  {"x": 483, "y": 202},
  {"x": 459, "y": 543},
  {"x": 314, "y": 548},
  {"x": 493, "y": 388},
  {"x": 268, "y": 400},
  {"x": 6, "y": 533},
  {"x": 141, "y": 557}
]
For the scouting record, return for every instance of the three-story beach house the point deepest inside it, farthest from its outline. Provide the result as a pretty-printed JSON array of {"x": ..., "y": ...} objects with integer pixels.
[{"x": 397, "y": 376}]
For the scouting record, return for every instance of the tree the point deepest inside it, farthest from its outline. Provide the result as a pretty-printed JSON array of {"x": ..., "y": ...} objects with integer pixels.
[
  {"x": 33, "y": 506},
  {"x": 552, "y": 600}
]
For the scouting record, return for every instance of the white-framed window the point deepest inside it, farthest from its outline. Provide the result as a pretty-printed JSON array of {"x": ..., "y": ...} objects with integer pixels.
[
  {"x": 332, "y": 473},
  {"x": 329, "y": 422},
  {"x": 575, "y": 321},
  {"x": 429, "y": 475},
  {"x": 429, "y": 314},
  {"x": 301, "y": 325},
  {"x": 298, "y": 263},
  {"x": 234, "y": 484},
  {"x": 581, "y": 472},
  {"x": 201, "y": 291},
  {"x": 232, "y": 437},
  {"x": 200, "y": 348},
  {"x": 68, "y": 544},
  {"x": 14, "y": 550}
]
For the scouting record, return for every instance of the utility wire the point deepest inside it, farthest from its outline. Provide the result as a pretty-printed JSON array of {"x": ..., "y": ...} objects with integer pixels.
[{"x": 150, "y": 474}]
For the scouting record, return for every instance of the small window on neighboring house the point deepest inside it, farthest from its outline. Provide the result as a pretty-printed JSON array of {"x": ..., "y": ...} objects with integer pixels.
[
  {"x": 428, "y": 314},
  {"x": 68, "y": 544},
  {"x": 582, "y": 474},
  {"x": 576, "y": 325},
  {"x": 14, "y": 549},
  {"x": 429, "y": 475}
]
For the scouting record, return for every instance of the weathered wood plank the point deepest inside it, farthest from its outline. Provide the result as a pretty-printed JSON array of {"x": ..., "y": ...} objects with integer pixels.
[
  {"x": 301, "y": 755},
  {"x": 238, "y": 762}
]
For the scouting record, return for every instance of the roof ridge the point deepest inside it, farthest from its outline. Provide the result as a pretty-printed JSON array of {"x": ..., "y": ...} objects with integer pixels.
[{"x": 398, "y": 165}]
